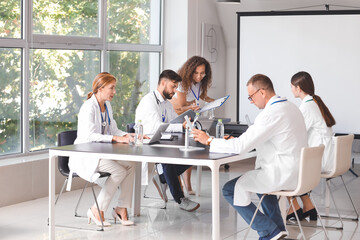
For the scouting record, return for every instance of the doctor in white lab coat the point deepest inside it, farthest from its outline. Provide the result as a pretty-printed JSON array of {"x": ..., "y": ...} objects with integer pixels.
[
  {"x": 278, "y": 134},
  {"x": 96, "y": 124},
  {"x": 154, "y": 109},
  {"x": 318, "y": 121}
]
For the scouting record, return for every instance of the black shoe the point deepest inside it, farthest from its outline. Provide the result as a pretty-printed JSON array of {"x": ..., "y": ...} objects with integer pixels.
[
  {"x": 312, "y": 213},
  {"x": 299, "y": 212}
]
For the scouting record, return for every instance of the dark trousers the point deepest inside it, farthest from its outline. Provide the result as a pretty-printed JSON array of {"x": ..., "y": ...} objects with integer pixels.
[{"x": 170, "y": 176}]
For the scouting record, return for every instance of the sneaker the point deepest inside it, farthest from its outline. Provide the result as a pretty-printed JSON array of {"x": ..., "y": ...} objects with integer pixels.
[
  {"x": 161, "y": 187},
  {"x": 188, "y": 205},
  {"x": 276, "y": 234}
]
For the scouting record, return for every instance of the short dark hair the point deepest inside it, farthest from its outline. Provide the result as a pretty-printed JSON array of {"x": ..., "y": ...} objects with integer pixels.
[
  {"x": 261, "y": 81},
  {"x": 169, "y": 74}
]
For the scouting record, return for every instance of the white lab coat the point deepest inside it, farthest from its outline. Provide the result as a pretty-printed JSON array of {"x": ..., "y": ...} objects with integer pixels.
[
  {"x": 89, "y": 130},
  {"x": 278, "y": 134},
  {"x": 318, "y": 132},
  {"x": 151, "y": 111}
]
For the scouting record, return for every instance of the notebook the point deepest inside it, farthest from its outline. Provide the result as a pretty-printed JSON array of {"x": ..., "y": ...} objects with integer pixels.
[{"x": 157, "y": 136}]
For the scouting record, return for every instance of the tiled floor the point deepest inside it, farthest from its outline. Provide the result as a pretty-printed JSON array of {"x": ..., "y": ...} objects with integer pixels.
[{"x": 28, "y": 220}]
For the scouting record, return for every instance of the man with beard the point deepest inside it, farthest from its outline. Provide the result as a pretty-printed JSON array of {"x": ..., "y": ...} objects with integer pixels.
[{"x": 154, "y": 109}]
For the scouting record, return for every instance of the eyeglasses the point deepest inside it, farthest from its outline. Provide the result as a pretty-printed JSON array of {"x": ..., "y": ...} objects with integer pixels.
[{"x": 250, "y": 97}]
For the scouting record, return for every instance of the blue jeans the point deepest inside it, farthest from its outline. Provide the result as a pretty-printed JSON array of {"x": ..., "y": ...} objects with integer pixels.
[
  {"x": 265, "y": 223},
  {"x": 170, "y": 176}
]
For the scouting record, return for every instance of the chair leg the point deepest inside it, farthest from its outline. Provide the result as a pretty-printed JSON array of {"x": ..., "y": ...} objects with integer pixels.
[
  {"x": 62, "y": 190},
  {"x": 78, "y": 203},
  {"x": 163, "y": 193},
  {"x": 97, "y": 206},
  {"x": 321, "y": 222},
  {"x": 252, "y": 220},
  {"x": 297, "y": 217},
  {"x": 151, "y": 175},
  {"x": 352, "y": 203}
]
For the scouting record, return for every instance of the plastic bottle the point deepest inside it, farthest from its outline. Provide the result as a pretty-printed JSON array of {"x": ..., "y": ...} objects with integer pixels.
[
  {"x": 139, "y": 130},
  {"x": 220, "y": 129}
]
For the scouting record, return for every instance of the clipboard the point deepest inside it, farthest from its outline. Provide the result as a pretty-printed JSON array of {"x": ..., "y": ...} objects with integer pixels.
[
  {"x": 215, "y": 104},
  {"x": 180, "y": 119}
]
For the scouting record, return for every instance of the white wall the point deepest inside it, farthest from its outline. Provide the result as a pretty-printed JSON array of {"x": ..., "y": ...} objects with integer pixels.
[
  {"x": 228, "y": 19},
  {"x": 182, "y": 38}
]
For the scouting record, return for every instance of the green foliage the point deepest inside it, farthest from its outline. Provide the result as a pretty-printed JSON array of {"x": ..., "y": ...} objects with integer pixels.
[
  {"x": 10, "y": 23},
  {"x": 60, "y": 79}
]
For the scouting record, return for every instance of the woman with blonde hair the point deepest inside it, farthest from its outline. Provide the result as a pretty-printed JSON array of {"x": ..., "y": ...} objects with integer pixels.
[
  {"x": 96, "y": 124},
  {"x": 318, "y": 121}
]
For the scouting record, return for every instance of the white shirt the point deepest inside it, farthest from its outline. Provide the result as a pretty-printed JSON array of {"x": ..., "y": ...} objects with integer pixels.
[
  {"x": 191, "y": 95},
  {"x": 89, "y": 130},
  {"x": 278, "y": 134},
  {"x": 317, "y": 130},
  {"x": 153, "y": 110}
]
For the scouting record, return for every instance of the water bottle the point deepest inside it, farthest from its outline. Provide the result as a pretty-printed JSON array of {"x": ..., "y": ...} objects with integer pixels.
[
  {"x": 139, "y": 130},
  {"x": 220, "y": 129}
]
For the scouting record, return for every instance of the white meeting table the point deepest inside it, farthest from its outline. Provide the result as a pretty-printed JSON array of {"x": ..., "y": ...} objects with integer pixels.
[{"x": 148, "y": 153}]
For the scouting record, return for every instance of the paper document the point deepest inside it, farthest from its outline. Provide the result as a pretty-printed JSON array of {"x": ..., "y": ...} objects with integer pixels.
[{"x": 217, "y": 103}]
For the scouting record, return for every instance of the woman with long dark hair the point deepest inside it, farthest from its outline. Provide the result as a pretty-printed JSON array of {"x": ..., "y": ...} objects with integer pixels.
[{"x": 318, "y": 121}]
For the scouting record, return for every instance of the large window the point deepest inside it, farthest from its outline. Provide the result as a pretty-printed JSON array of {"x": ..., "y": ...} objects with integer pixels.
[{"x": 47, "y": 69}]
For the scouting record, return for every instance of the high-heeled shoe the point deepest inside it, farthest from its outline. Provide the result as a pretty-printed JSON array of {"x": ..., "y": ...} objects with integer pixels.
[
  {"x": 312, "y": 213},
  {"x": 118, "y": 217},
  {"x": 299, "y": 212},
  {"x": 91, "y": 216}
]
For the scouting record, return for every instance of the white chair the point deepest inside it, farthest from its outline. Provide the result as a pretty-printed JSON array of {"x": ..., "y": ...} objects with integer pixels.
[
  {"x": 342, "y": 164},
  {"x": 308, "y": 179}
]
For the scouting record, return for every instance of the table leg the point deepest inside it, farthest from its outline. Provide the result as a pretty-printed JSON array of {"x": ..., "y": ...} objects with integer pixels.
[
  {"x": 52, "y": 196},
  {"x": 215, "y": 203},
  {"x": 198, "y": 180},
  {"x": 137, "y": 190}
]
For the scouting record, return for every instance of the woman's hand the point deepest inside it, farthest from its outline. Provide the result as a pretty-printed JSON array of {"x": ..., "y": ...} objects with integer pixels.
[
  {"x": 200, "y": 136},
  {"x": 122, "y": 139}
]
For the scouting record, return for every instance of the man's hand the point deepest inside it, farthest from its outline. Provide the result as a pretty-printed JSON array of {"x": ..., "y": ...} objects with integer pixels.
[{"x": 200, "y": 136}]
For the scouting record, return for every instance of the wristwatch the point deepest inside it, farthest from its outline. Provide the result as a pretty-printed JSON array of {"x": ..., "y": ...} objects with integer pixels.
[{"x": 209, "y": 141}]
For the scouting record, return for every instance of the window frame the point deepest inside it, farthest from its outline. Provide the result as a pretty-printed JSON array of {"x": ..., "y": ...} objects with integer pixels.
[{"x": 30, "y": 41}]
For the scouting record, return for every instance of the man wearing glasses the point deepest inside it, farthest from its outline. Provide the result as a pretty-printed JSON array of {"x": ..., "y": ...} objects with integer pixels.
[{"x": 278, "y": 134}]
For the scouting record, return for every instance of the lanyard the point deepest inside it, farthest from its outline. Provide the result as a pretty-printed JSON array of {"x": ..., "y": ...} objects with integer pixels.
[
  {"x": 163, "y": 112},
  {"x": 103, "y": 122},
  {"x": 198, "y": 96},
  {"x": 284, "y": 100}
]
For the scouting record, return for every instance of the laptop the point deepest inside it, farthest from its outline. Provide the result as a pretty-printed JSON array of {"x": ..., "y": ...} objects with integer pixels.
[
  {"x": 157, "y": 136},
  {"x": 180, "y": 119}
]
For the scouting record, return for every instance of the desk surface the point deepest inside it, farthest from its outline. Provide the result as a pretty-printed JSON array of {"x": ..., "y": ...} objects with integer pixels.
[{"x": 145, "y": 150}]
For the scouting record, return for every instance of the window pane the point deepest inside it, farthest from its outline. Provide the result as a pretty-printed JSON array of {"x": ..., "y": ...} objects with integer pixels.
[
  {"x": 59, "y": 83},
  {"x": 66, "y": 17},
  {"x": 10, "y": 100},
  {"x": 137, "y": 73},
  {"x": 134, "y": 21},
  {"x": 10, "y": 19}
]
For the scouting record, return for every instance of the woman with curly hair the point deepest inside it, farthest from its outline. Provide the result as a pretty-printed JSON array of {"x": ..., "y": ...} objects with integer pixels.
[{"x": 196, "y": 80}]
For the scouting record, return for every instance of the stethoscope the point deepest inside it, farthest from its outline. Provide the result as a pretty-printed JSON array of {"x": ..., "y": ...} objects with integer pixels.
[
  {"x": 103, "y": 122},
  {"x": 163, "y": 113}
]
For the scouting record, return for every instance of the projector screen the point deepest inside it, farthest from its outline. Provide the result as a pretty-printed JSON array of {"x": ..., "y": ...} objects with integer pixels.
[{"x": 325, "y": 44}]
